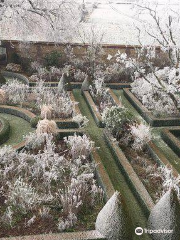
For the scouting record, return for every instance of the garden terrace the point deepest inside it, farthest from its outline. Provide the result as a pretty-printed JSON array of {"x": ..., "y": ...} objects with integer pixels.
[{"x": 120, "y": 172}]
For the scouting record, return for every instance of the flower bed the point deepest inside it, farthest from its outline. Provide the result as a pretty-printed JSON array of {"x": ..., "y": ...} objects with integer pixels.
[
  {"x": 46, "y": 202},
  {"x": 148, "y": 188},
  {"x": 147, "y": 115},
  {"x": 38, "y": 101}
]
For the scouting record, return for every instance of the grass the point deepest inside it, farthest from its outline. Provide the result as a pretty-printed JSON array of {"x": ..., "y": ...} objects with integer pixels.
[
  {"x": 18, "y": 128},
  {"x": 116, "y": 176}
]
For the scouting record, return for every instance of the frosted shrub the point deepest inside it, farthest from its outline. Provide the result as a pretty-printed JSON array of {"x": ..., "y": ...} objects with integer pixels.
[
  {"x": 116, "y": 118},
  {"x": 100, "y": 94},
  {"x": 13, "y": 67},
  {"x": 46, "y": 126},
  {"x": 169, "y": 180},
  {"x": 34, "y": 78},
  {"x": 34, "y": 179},
  {"x": 79, "y": 145},
  {"x": 34, "y": 141},
  {"x": 141, "y": 134},
  {"x": 79, "y": 76},
  {"x": 22, "y": 195},
  {"x": 82, "y": 121},
  {"x": 16, "y": 91},
  {"x": 158, "y": 91},
  {"x": 35, "y": 65},
  {"x": 62, "y": 106},
  {"x": 46, "y": 112},
  {"x": 2, "y": 96}
]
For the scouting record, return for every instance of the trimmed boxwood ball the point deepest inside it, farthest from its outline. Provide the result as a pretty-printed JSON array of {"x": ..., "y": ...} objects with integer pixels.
[
  {"x": 86, "y": 83},
  {"x": 2, "y": 79},
  {"x": 64, "y": 84},
  {"x": 34, "y": 121}
]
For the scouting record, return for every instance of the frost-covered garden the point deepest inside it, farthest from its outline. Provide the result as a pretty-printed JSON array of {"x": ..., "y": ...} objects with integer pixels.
[{"x": 90, "y": 139}]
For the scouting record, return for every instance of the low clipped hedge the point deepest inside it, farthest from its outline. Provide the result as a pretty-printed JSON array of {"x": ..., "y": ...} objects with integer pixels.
[
  {"x": 19, "y": 76},
  {"x": 170, "y": 137},
  {"x": 4, "y": 130}
]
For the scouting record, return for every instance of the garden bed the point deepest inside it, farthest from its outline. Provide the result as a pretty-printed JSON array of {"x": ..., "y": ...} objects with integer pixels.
[
  {"x": 29, "y": 116},
  {"x": 85, "y": 222},
  {"x": 147, "y": 115},
  {"x": 135, "y": 165},
  {"x": 135, "y": 183},
  {"x": 94, "y": 109}
]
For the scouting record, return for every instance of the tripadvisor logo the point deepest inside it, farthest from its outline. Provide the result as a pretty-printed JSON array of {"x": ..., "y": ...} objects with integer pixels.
[{"x": 138, "y": 231}]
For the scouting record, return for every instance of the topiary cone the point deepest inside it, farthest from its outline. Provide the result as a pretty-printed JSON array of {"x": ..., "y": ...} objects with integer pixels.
[
  {"x": 166, "y": 215},
  {"x": 113, "y": 221},
  {"x": 86, "y": 83},
  {"x": 64, "y": 84}
]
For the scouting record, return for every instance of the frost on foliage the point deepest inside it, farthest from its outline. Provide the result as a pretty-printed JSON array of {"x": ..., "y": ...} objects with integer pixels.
[
  {"x": 46, "y": 126},
  {"x": 79, "y": 145},
  {"x": 16, "y": 91},
  {"x": 112, "y": 220},
  {"x": 166, "y": 215},
  {"x": 61, "y": 103},
  {"x": 64, "y": 84},
  {"x": 40, "y": 176},
  {"x": 13, "y": 67},
  {"x": 115, "y": 117},
  {"x": 141, "y": 134},
  {"x": 81, "y": 120},
  {"x": 155, "y": 90}
]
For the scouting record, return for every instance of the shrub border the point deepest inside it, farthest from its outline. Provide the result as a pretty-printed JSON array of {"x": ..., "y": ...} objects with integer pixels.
[
  {"x": 4, "y": 130},
  {"x": 102, "y": 179},
  {"x": 92, "y": 106},
  {"x": 146, "y": 114},
  {"x": 78, "y": 85},
  {"x": 28, "y": 116}
]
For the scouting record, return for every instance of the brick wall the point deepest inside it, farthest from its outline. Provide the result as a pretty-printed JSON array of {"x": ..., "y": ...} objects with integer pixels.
[{"x": 38, "y": 50}]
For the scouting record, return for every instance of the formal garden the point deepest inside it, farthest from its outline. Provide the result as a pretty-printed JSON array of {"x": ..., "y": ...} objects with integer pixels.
[{"x": 90, "y": 133}]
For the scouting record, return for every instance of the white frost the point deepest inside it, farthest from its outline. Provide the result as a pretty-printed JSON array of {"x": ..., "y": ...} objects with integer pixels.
[
  {"x": 111, "y": 220},
  {"x": 166, "y": 215}
]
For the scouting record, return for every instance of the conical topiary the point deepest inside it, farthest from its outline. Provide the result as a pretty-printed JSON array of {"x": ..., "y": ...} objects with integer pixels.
[
  {"x": 86, "y": 83},
  {"x": 166, "y": 215},
  {"x": 113, "y": 221},
  {"x": 64, "y": 84}
]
